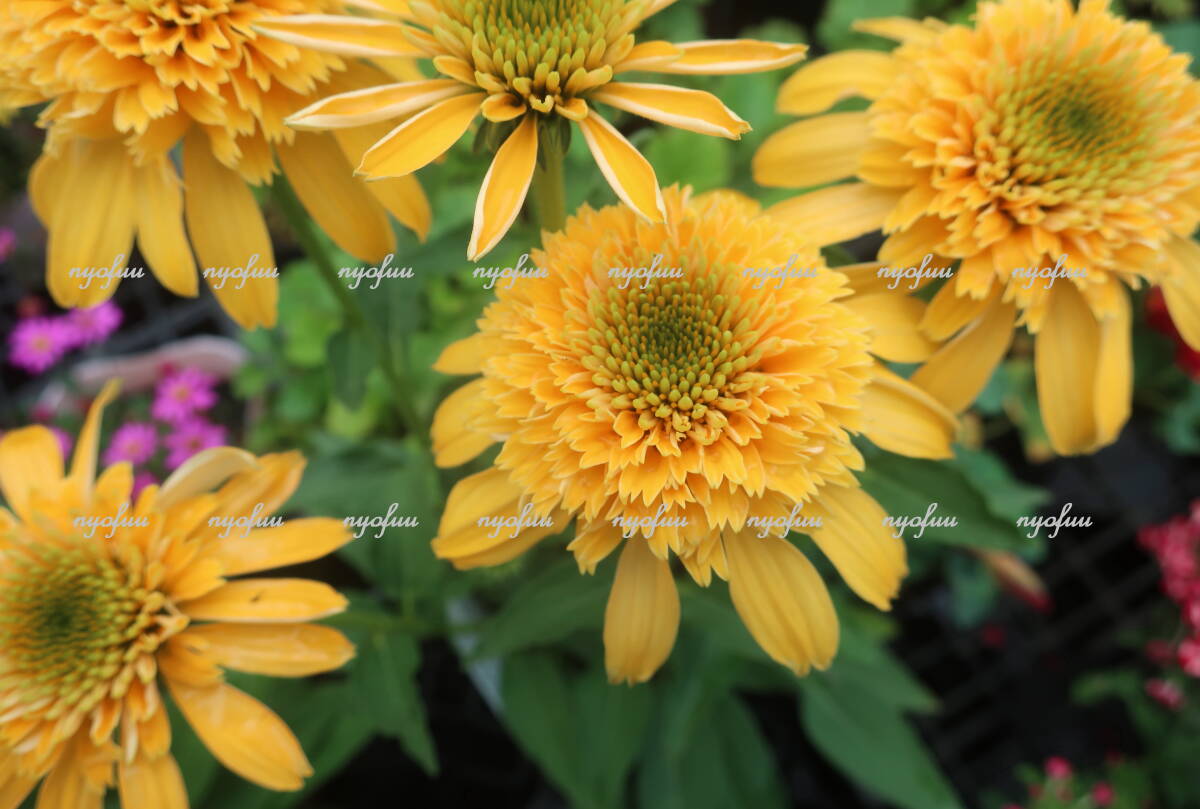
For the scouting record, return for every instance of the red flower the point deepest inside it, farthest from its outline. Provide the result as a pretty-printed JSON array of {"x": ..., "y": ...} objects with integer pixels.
[
  {"x": 1165, "y": 692},
  {"x": 1058, "y": 767},
  {"x": 1189, "y": 656},
  {"x": 1103, "y": 794}
]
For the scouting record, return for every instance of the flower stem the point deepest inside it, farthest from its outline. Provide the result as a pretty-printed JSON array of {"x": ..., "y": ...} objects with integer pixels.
[
  {"x": 356, "y": 318},
  {"x": 549, "y": 187}
]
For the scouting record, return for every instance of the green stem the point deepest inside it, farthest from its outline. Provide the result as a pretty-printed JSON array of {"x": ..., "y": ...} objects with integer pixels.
[
  {"x": 356, "y": 318},
  {"x": 549, "y": 188}
]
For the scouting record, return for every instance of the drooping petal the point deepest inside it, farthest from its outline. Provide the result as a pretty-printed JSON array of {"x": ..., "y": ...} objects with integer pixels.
[
  {"x": 1065, "y": 360},
  {"x": 374, "y": 104},
  {"x": 504, "y": 188},
  {"x": 782, "y": 601},
  {"x": 87, "y": 446},
  {"x": 961, "y": 368},
  {"x": 422, "y": 138},
  {"x": 1181, "y": 289},
  {"x": 902, "y": 418},
  {"x": 266, "y": 600},
  {"x": 30, "y": 460},
  {"x": 203, "y": 472},
  {"x": 160, "y": 232},
  {"x": 630, "y": 175},
  {"x": 15, "y": 785},
  {"x": 244, "y": 735},
  {"x": 949, "y": 311},
  {"x": 863, "y": 549},
  {"x": 901, "y": 29},
  {"x": 341, "y": 34},
  {"x": 819, "y": 85},
  {"x": 838, "y": 213},
  {"x": 472, "y": 530},
  {"x": 463, "y": 356},
  {"x": 812, "y": 152},
  {"x": 680, "y": 107},
  {"x": 724, "y": 57},
  {"x": 1114, "y": 372},
  {"x": 402, "y": 196},
  {"x": 455, "y": 439},
  {"x": 277, "y": 650},
  {"x": 893, "y": 323},
  {"x": 642, "y": 616},
  {"x": 288, "y": 544},
  {"x": 151, "y": 783}
]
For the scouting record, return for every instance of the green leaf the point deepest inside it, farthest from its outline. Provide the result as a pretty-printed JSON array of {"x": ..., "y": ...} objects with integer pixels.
[
  {"x": 834, "y": 28},
  {"x": 611, "y": 724},
  {"x": 1181, "y": 423},
  {"x": 1006, "y": 496},
  {"x": 864, "y": 663},
  {"x": 1185, "y": 38},
  {"x": 688, "y": 158},
  {"x": 872, "y": 744},
  {"x": 383, "y": 680},
  {"x": 351, "y": 359},
  {"x": 308, "y": 315}
]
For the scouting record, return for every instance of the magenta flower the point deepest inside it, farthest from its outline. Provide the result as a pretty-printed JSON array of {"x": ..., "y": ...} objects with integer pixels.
[
  {"x": 8, "y": 243},
  {"x": 183, "y": 393},
  {"x": 191, "y": 436},
  {"x": 1058, "y": 767},
  {"x": 95, "y": 325},
  {"x": 135, "y": 442},
  {"x": 38, "y": 343},
  {"x": 140, "y": 481}
]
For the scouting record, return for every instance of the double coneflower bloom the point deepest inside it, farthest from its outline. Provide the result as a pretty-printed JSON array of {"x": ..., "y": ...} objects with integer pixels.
[
  {"x": 110, "y": 605},
  {"x": 1041, "y": 135},
  {"x": 529, "y": 67},
  {"x": 701, "y": 398},
  {"x": 129, "y": 81}
]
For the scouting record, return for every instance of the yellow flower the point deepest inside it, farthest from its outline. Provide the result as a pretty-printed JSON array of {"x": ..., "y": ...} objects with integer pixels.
[
  {"x": 105, "y": 601},
  {"x": 1042, "y": 138},
  {"x": 700, "y": 398},
  {"x": 536, "y": 65},
  {"x": 128, "y": 80}
]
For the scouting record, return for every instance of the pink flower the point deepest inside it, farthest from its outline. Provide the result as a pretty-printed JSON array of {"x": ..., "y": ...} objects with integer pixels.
[
  {"x": 191, "y": 436},
  {"x": 38, "y": 343},
  {"x": 96, "y": 324},
  {"x": 1058, "y": 767},
  {"x": 140, "y": 481},
  {"x": 1166, "y": 693},
  {"x": 183, "y": 393},
  {"x": 135, "y": 442},
  {"x": 1189, "y": 656},
  {"x": 1103, "y": 794},
  {"x": 64, "y": 440},
  {"x": 8, "y": 243}
]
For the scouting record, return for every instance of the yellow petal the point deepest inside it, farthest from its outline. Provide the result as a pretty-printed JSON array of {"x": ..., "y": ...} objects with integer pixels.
[
  {"x": 949, "y": 311},
  {"x": 93, "y": 224},
  {"x": 504, "y": 188},
  {"x": 278, "y": 650},
  {"x": 812, "y": 152},
  {"x": 503, "y": 107},
  {"x": 422, "y": 138},
  {"x": 30, "y": 460},
  {"x": 693, "y": 110},
  {"x": 288, "y": 544},
  {"x": 203, "y": 472},
  {"x": 900, "y": 417},
  {"x": 87, "y": 447},
  {"x": 1065, "y": 360},
  {"x": 957, "y": 373},
  {"x": 630, "y": 175},
  {"x": 455, "y": 438},
  {"x": 15, "y": 785},
  {"x": 648, "y": 56},
  {"x": 817, "y": 86},
  {"x": 724, "y": 57},
  {"x": 642, "y": 616},
  {"x": 838, "y": 213},
  {"x": 1114, "y": 372},
  {"x": 69, "y": 785},
  {"x": 228, "y": 230},
  {"x": 912, "y": 244},
  {"x": 244, "y": 735},
  {"x": 464, "y": 356},
  {"x": 343, "y": 35},
  {"x": 467, "y": 541},
  {"x": 324, "y": 181},
  {"x": 266, "y": 600},
  {"x": 901, "y": 29},
  {"x": 151, "y": 783},
  {"x": 402, "y": 196},
  {"x": 861, "y": 547},
  {"x": 892, "y": 322},
  {"x": 1181, "y": 289},
  {"x": 782, "y": 601},
  {"x": 160, "y": 233},
  {"x": 593, "y": 543},
  {"x": 373, "y": 104}
]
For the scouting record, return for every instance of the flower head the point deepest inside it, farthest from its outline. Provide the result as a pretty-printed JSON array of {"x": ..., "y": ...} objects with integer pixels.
[
  {"x": 129, "y": 81},
  {"x": 110, "y": 604},
  {"x": 183, "y": 393},
  {"x": 530, "y": 67},
  {"x": 189, "y": 437},
  {"x": 691, "y": 412},
  {"x": 95, "y": 324},
  {"x": 37, "y": 343},
  {"x": 135, "y": 442},
  {"x": 1053, "y": 152}
]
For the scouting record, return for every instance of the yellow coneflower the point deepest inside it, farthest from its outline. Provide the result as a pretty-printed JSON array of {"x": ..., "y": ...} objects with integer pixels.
[
  {"x": 691, "y": 396},
  {"x": 127, "y": 82},
  {"x": 533, "y": 64},
  {"x": 1043, "y": 138},
  {"x": 105, "y": 601}
]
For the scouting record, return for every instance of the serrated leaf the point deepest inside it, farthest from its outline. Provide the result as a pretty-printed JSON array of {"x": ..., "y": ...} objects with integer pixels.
[{"x": 383, "y": 679}]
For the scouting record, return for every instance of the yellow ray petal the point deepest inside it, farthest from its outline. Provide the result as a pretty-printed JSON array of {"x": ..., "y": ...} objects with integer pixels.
[
  {"x": 949, "y": 311},
  {"x": 30, "y": 460},
  {"x": 266, "y": 600},
  {"x": 1114, "y": 372},
  {"x": 901, "y": 29},
  {"x": 15, "y": 786},
  {"x": 812, "y": 152},
  {"x": 151, "y": 783},
  {"x": 373, "y": 104},
  {"x": 463, "y": 356},
  {"x": 817, "y": 86},
  {"x": 900, "y": 417},
  {"x": 402, "y": 196},
  {"x": 630, "y": 175},
  {"x": 893, "y": 320},
  {"x": 504, "y": 188},
  {"x": 838, "y": 213},
  {"x": 864, "y": 550},
  {"x": 1065, "y": 361},
  {"x": 244, "y": 735},
  {"x": 725, "y": 57},
  {"x": 160, "y": 233},
  {"x": 593, "y": 543},
  {"x": 693, "y": 110},
  {"x": 422, "y": 138},
  {"x": 203, "y": 472},
  {"x": 648, "y": 56},
  {"x": 343, "y": 35},
  {"x": 782, "y": 601},
  {"x": 278, "y": 650},
  {"x": 1181, "y": 289},
  {"x": 228, "y": 231},
  {"x": 324, "y": 181},
  {"x": 87, "y": 447},
  {"x": 455, "y": 439},
  {"x": 288, "y": 544},
  {"x": 642, "y": 616},
  {"x": 69, "y": 785},
  {"x": 957, "y": 373}
]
